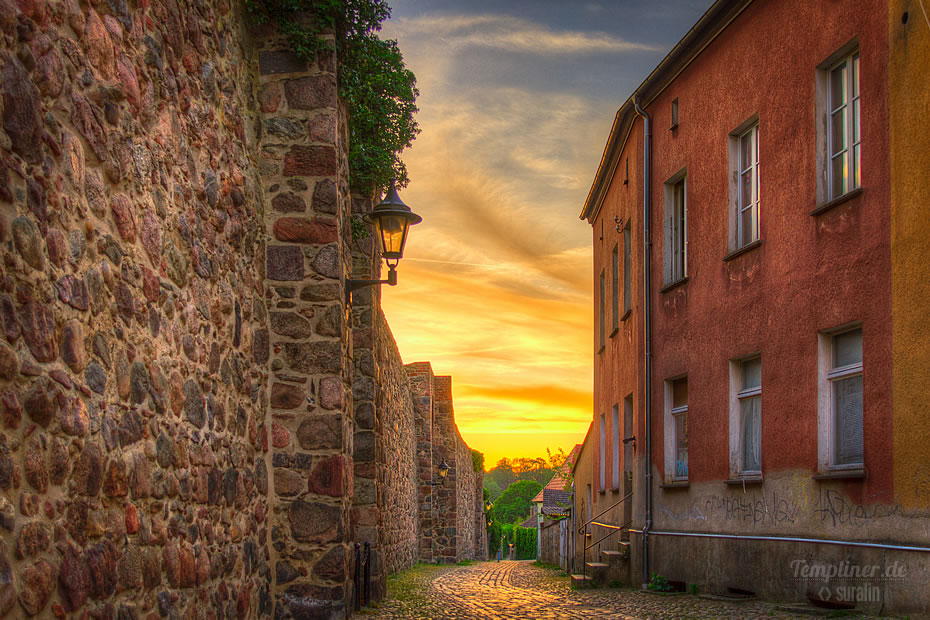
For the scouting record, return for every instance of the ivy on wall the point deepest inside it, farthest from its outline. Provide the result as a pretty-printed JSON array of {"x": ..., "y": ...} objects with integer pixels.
[{"x": 379, "y": 91}]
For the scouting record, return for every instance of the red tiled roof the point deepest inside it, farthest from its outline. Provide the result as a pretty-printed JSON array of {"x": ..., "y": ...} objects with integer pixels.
[{"x": 560, "y": 480}]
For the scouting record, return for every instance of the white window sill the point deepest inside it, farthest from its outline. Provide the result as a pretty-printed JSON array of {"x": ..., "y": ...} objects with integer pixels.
[
  {"x": 823, "y": 208},
  {"x": 845, "y": 473}
]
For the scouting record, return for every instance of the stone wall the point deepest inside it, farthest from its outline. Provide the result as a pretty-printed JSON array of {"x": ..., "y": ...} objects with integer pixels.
[
  {"x": 469, "y": 494},
  {"x": 451, "y": 514},
  {"x": 421, "y": 385},
  {"x": 304, "y": 168},
  {"x": 132, "y": 451},
  {"x": 397, "y": 473},
  {"x": 191, "y": 425}
]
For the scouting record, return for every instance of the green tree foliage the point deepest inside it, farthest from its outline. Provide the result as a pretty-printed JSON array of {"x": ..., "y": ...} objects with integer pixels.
[
  {"x": 514, "y": 504},
  {"x": 502, "y": 474},
  {"x": 477, "y": 460},
  {"x": 492, "y": 488},
  {"x": 525, "y": 541},
  {"x": 495, "y": 534},
  {"x": 378, "y": 89}
]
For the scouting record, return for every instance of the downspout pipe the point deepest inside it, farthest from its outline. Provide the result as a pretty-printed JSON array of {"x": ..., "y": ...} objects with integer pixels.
[{"x": 647, "y": 330}]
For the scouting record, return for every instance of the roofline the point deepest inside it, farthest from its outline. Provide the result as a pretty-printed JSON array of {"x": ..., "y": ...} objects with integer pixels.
[
  {"x": 708, "y": 27},
  {"x": 580, "y": 450}
]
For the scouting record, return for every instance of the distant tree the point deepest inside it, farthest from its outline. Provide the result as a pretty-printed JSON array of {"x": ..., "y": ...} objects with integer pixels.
[
  {"x": 492, "y": 489},
  {"x": 514, "y": 503},
  {"x": 502, "y": 474}
]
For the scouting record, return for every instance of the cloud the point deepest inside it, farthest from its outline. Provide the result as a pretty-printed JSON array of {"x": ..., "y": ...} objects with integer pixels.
[
  {"x": 547, "y": 396},
  {"x": 513, "y": 34}
]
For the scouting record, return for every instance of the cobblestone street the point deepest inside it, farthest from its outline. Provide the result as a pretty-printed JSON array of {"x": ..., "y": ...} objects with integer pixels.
[{"x": 521, "y": 590}]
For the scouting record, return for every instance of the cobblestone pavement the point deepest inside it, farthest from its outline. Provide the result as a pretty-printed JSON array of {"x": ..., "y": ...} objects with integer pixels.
[{"x": 521, "y": 590}]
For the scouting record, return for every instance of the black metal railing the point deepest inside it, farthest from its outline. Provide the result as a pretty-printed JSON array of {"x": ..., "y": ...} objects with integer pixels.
[
  {"x": 362, "y": 567},
  {"x": 613, "y": 529}
]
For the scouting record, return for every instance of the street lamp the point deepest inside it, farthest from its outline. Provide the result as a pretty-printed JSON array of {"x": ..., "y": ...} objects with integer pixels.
[
  {"x": 443, "y": 469},
  {"x": 392, "y": 220}
]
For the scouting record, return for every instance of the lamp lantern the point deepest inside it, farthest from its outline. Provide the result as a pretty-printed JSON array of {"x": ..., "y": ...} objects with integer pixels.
[
  {"x": 392, "y": 220},
  {"x": 443, "y": 469}
]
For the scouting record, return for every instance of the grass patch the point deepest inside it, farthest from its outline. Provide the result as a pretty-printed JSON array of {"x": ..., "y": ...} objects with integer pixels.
[
  {"x": 465, "y": 562},
  {"x": 541, "y": 564}
]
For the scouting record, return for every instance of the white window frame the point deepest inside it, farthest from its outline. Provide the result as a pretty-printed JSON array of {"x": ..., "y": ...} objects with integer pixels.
[
  {"x": 847, "y": 56},
  {"x": 602, "y": 477},
  {"x": 851, "y": 111},
  {"x": 826, "y": 405},
  {"x": 615, "y": 448},
  {"x": 615, "y": 293},
  {"x": 602, "y": 319},
  {"x": 671, "y": 432},
  {"x": 675, "y": 249},
  {"x": 749, "y": 130},
  {"x": 737, "y": 395},
  {"x": 627, "y": 269}
]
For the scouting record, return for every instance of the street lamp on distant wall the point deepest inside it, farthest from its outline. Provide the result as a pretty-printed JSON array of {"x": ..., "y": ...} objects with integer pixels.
[
  {"x": 443, "y": 470},
  {"x": 392, "y": 220}
]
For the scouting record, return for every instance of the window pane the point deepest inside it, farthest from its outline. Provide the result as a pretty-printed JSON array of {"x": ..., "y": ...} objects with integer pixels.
[
  {"x": 751, "y": 427},
  {"x": 838, "y": 87},
  {"x": 745, "y": 198},
  {"x": 752, "y": 373},
  {"x": 748, "y": 226},
  {"x": 681, "y": 442},
  {"x": 627, "y": 269},
  {"x": 745, "y": 147},
  {"x": 847, "y": 398},
  {"x": 855, "y": 121},
  {"x": 857, "y": 163},
  {"x": 615, "y": 291},
  {"x": 838, "y": 131},
  {"x": 840, "y": 170},
  {"x": 855, "y": 72},
  {"x": 615, "y": 447},
  {"x": 601, "y": 309},
  {"x": 680, "y": 393},
  {"x": 847, "y": 348}
]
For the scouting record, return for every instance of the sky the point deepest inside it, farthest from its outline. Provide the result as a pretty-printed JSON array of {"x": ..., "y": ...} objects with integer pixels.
[{"x": 516, "y": 101}]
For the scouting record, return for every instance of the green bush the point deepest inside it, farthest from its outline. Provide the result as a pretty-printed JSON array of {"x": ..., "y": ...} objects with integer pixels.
[{"x": 525, "y": 542}]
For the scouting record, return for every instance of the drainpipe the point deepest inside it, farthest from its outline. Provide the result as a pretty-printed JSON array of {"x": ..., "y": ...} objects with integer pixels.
[{"x": 647, "y": 401}]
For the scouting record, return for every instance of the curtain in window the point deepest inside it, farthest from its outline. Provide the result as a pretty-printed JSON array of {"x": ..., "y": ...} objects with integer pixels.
[
  {"x": 751, "y": 421},
  {"x": 847, "y": 398}
]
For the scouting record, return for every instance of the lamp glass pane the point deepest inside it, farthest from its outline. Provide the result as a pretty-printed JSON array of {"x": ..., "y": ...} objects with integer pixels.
[{"x": 393, "y": 232}]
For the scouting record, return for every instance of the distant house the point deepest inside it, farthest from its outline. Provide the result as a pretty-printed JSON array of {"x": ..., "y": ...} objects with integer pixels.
[{"x": 552, "y": 503}]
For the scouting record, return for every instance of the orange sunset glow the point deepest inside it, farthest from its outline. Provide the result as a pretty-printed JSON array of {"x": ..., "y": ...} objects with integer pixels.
[{"x": 496, "y": 285}]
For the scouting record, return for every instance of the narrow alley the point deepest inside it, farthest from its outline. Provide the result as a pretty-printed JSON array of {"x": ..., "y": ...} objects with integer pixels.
[{"x": 524, "y": 590}]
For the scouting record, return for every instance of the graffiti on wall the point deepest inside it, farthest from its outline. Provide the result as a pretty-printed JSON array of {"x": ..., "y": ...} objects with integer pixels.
[
  {"x": 829, "y": 507},
  {"x": 836, "y": 510}
]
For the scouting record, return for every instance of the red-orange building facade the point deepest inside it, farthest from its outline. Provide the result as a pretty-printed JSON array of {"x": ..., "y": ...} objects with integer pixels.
[{"x": 769, "y": 303}]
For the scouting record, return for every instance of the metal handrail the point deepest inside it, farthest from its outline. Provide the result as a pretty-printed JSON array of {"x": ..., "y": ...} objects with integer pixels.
[{"x": 583, "y": 530}]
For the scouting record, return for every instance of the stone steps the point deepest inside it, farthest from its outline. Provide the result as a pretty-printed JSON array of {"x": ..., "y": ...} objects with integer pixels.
[{"x": 581, "y": 581}]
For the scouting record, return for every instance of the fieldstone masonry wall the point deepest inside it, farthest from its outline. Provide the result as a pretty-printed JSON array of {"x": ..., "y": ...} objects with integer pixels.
[
  {"x": 397, "y": 471},
  {"x": 190, "y": 426},
  {"x": 304, "y": 169},
  {"x": 133, "y": 478},
  {"x": 451, "y": 511}
]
